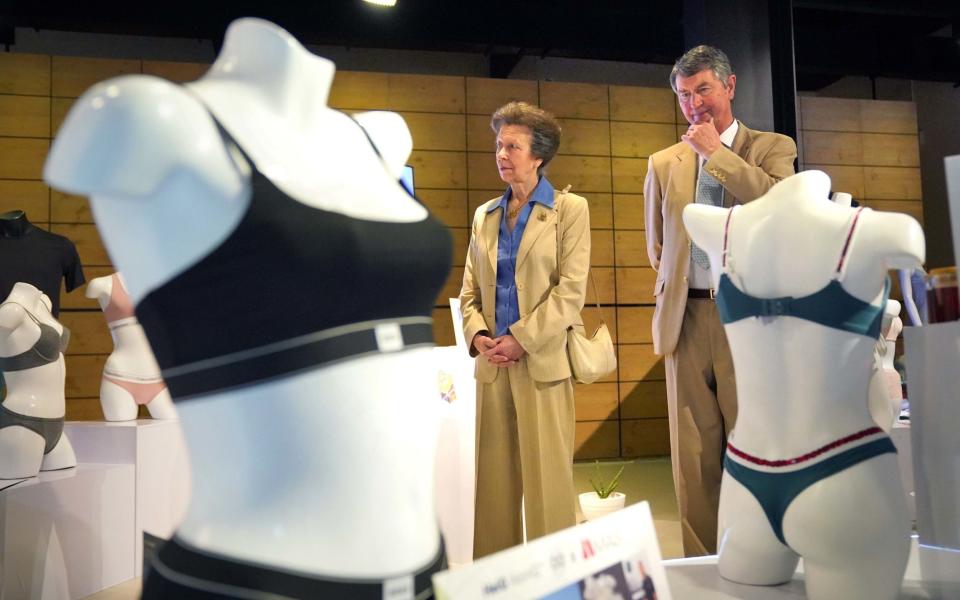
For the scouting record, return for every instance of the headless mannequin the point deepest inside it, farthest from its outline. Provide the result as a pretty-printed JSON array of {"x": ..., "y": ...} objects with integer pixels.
[
  {"x": 802, "y": 385},
  {"x": 326, "y": 472},
  {"x": 31, "y": 392},
  {"x": 887, "y": 405},
  {"x": 14, "y": 223},
  {"x": 131, "y": 376}
]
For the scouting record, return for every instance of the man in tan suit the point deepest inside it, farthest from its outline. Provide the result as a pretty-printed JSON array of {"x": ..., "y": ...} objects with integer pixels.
[
  {"x": 722, "y": 162},
  {"x": 523, "y": 285}
]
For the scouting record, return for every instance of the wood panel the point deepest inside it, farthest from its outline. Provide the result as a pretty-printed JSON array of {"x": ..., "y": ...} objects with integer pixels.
[
  {"x": 436, "y": 131},
  {"x": 628, "y": 211},
  {"x": 601, "y": 210},
  {"x": 636, "y": 140},
  {"x": 482, "y": 172},
  {"x": 635, "y": 285},
  {"x": 427, "y": 93},
  {"x": 914, "y": 208},
  {"x": 634, "y": 324},
  {"x": 575, "y": 100},
  {"x": 891, "y": 150},
  {"x": 830, "y": 148},
  {"x": 22, "y": 158},
  {"x": 843, "y": 178},
  {"x": 585, "y": 137},
  {"x": 643, "y": 399},
  {"x": 601, "y": 248},
  {"x": 484, "y": 96},
  {"x": 67, "y": 208},
  {"x": 480, "y": 137},
  {"x": 87, "y": 240},
  {"x": 829, "y": 114},
  {"x": 585, "y": 173},
  {"x": 631, "y": 249},
  {"x": 358, "y": 90},
  {"x": 461, "y": 241},
  {"x": 628, "y": 175},
  {"x": 32, "y": 197},
  {"x": 24, "y": 116},
  {"x": 892, "y": 183},
  {"x": 886, "y": 116},
  {"x": 651, "y": 105},
  {"x": 443, "y": 328},
  {"x": 84, "y": 409},
  {"x": 606, "y": 286},
  {"x": 88, "y": 332},
  {"x": 449, "y": 206},
  {"x": 639, "y": 363},
  {"x": 596, "y": 439},
  {"x": 71, "y": 76},
  {"x": 59, "y": 109},
  {"x": 451, "y": 288},
  {"x": 179, "y": 72},
  {"x": 592, "y": 318},
  {"x": 27, "y": 74},
  {"x": 433, "y": 169},
  {"x": 84, "y": 373},
  {"x": 645, "y": 437},
  {"x": 596, "y": 402}
]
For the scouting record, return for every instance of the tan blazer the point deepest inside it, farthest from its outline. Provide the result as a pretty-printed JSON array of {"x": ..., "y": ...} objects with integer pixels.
[
  {"x": 550, "y": 298},
  {"x": 755, "y": 162}
]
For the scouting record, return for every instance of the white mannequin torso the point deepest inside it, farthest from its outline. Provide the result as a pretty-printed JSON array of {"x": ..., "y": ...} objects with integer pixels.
[
  {"x": 802, "y": 385},
  {"x": 326, "y": 472}
]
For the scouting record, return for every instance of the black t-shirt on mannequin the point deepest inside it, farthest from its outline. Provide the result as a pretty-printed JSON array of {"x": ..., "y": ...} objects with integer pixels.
[{"x": 40, "y": 258}]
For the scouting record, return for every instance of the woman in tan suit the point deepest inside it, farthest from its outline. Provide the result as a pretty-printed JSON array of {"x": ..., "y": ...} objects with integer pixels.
[{"x": 523, "y": 287}]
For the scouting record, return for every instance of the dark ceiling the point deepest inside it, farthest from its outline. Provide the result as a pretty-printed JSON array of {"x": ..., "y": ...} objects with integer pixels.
[{"x": 912, "y": 39}]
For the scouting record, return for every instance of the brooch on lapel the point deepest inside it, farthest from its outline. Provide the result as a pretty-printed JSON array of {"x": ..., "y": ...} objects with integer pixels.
[{"x": 542, "y": 216}]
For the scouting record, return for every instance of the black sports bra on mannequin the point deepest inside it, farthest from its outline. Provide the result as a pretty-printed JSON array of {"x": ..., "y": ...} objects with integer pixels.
[{"x": 294, "y": 287}]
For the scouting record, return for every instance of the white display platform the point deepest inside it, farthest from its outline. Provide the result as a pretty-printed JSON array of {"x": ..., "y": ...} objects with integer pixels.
[
  {"x": 158, "y": 453},
  {"x": 67, "y": 534},
  {"x": 699, "y": 579}
]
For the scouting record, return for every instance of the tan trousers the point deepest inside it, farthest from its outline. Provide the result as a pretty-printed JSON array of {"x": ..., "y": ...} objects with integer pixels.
[
  {"x": 702, "y": 406},
  {"x": 525, "y": 434}
]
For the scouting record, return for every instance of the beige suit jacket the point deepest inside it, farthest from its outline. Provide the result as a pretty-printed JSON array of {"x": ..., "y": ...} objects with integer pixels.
[
  {"x": 550, "y": 296},
  {"x": 751, "y": 166}
]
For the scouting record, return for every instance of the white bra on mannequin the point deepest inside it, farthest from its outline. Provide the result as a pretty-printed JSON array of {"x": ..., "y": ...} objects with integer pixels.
[
  {"x": 325, "y": 472},
  {"x": 813, "y": 475}
]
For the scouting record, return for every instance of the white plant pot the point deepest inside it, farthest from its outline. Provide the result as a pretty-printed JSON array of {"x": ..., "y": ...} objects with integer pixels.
[{"x": 594, "y": 507}]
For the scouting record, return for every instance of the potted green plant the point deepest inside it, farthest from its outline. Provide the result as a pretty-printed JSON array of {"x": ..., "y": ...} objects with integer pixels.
[{"x": 604, "y": 498}]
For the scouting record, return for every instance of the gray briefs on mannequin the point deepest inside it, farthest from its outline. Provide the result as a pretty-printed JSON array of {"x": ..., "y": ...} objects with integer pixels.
[{"x": 49, "y": 429}]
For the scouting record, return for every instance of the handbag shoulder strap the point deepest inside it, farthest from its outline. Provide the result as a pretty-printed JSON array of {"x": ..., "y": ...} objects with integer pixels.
[{"x": 593, "y": 282}]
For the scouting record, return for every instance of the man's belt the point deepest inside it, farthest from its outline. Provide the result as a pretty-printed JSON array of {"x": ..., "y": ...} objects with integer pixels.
[{"x": 709, "y": 294}]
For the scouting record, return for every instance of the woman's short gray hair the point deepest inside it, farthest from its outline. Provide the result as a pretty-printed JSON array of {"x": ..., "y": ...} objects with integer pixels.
[
  {"x": 543, "y": 125},
  {"x": 697, "y": 59}
]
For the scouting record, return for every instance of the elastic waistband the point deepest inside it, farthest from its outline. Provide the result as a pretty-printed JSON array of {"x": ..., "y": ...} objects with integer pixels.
[
  {"x": 798, "y": 460},
  {"x": 296, "y": 355}
]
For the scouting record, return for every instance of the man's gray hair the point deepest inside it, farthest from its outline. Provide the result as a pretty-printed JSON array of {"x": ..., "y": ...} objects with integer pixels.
[{"x": 697, "y": 59}]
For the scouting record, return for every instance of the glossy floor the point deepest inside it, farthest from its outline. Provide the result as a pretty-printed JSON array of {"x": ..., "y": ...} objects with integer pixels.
[{"x": 643, "y": 479}]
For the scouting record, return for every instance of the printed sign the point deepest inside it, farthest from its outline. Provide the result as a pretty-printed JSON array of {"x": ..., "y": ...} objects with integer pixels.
[{"x": 616, "y": 557}]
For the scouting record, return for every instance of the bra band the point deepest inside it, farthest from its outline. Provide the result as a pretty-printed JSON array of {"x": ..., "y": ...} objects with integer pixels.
[
  {"x": 298, "y": 354},
  {"x": 178, "y": 571}
]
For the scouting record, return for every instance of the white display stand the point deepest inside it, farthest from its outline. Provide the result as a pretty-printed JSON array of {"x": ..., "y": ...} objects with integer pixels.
[
  {"x": 699, "y": 578},
  {"x": 933, "y": 384},
  {"x": 900, "y": 435},
  {"x": 68, "y": 534}
]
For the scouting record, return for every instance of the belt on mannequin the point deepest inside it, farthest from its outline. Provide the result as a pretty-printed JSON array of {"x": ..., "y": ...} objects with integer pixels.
[{"x": 698, "y": 294}]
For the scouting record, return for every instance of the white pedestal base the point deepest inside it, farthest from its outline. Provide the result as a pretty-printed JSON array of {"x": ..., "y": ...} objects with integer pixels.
[{"x": 67, "y": 534}]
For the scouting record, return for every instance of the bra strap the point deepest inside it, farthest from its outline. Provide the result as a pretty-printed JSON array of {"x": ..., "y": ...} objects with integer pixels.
[{"x": 846, "y": 244}]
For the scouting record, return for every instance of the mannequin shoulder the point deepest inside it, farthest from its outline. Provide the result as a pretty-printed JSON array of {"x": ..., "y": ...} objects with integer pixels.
[
  {"x": 704, "y": 224},
  {"x": 11, "y": 315},
  {"x": 897, "y": 235},
  {"x": 124, "y": 135},
  {"x": 99, "y": 287}
]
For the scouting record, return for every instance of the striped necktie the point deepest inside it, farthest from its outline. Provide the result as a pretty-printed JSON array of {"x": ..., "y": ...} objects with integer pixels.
[{"x": 709, "y": 192}]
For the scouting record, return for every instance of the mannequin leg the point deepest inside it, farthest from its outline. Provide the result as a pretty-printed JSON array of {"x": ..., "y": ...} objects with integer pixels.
[
  {"x": 21, "y": 452},
  {"x": 116, "y": 402},
  {"x": 546, "y": 425},
  {"x": 61, "y": 457},
  {"x": 749, "y": 551},
  {"x": 162, "y": 407},
  {"x": 497, "y": 521}
]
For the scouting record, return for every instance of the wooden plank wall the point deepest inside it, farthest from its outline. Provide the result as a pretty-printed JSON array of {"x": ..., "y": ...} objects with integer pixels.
[
  {"x": 609, "y": 131},
  {"x": 869, "y": 148}
]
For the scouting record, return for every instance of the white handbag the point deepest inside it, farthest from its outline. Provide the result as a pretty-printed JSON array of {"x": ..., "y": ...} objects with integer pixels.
[{"x": 590, "y": 357}]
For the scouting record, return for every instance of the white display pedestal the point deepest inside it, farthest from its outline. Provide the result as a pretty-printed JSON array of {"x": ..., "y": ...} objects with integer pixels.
[
  {"x": 158, "y": 453},
  {"x": 698, "y": 578},
  {"x": 67, "y": 534}
]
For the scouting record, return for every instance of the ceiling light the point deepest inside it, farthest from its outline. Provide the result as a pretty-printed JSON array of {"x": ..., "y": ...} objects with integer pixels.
[{"x": 382, "y": 2}]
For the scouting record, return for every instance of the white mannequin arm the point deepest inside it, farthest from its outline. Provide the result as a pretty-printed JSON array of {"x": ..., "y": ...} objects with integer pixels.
[
  {"x": 124, "y": 137},
  {"x": 705, "y": 226},
  {"x": 100, "y": 289},
  {"x": 898, "y": 238},
  {"x": 391, "y": 136}
]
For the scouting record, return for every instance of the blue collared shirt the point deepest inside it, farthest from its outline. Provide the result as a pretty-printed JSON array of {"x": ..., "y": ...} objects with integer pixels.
[{"x": 508, "y": 244}]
